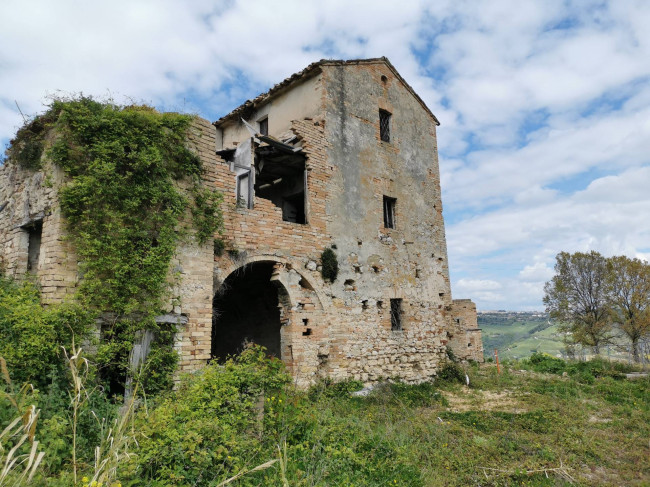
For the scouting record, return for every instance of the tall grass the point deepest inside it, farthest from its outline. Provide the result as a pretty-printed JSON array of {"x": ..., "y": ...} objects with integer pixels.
[{"x": 18, "y": 461}]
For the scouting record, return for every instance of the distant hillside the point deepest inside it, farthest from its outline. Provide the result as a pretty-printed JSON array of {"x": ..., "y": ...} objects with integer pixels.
[{"x": 519, "y": 334}]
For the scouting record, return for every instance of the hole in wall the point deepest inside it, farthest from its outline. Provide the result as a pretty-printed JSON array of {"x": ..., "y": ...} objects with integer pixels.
[
  {"x": 35, "y": 232},
  {"x": 307, "y": 332},
  {"x": 304, "y": 283}
]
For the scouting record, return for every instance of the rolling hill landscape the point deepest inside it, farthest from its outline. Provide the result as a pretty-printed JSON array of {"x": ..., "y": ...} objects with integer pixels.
[{"x": 519, "y": 334}]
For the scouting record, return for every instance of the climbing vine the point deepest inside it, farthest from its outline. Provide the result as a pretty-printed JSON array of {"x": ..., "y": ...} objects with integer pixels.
[{"x": 131, "y": 178}]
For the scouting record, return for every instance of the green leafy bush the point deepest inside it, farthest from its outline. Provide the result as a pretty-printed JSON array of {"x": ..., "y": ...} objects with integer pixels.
[
  {"x": 329, "y": 388},
  {"x": 210, "y": 428},
  {"x": 31, "y": 336},
  {"x": 451, "y": 372},
  {"x": 329, "y": 265},
  {"x": 542, "y": 362}
]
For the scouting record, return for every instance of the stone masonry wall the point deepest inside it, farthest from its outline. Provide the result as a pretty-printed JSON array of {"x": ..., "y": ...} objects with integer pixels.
[
  {"x": 28, "y": 197},
  {"x": 377, "y": 264},
  {"x": 465, "y": 336}
]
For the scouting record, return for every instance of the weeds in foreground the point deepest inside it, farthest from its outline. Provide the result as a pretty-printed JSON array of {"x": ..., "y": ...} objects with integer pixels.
[
  {"x": 19, "y": 450},
  {"x": 222, "y": 427}
]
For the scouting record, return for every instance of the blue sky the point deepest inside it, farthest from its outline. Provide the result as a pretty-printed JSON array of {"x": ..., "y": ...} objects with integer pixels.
[{"x": 544, "y": 104}]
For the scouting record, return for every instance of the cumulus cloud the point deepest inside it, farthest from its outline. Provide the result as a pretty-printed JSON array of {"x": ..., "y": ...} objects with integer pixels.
[{"x": 544, "y": 104}]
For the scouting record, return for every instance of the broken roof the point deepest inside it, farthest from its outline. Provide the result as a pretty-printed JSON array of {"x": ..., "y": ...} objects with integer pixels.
[{"x": 306, "y": 73}]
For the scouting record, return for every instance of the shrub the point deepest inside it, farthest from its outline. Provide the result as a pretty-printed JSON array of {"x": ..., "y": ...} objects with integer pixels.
[
  {"x": 329, "y": 388},
  {"x": 211, "y": 427},
  {"x": 31, "y": 336},
  {"x": 451, "y": 372},
  {"x": 542, "y": 362},
  {"x": 329, "y": 265}
]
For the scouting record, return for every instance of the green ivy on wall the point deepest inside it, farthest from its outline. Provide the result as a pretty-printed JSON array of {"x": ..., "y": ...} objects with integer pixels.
[{"x": 124, "y": 202}]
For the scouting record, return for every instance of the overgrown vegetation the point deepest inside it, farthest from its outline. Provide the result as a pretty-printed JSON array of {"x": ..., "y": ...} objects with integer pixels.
[
  {"x": 329, "y": 265},
  {"x": 244, "y": 423},
  {"x": 31, "y": 336},
  {"x": 131, "y": 180}
]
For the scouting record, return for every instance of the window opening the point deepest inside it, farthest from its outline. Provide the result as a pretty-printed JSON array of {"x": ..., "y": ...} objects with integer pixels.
[
  {"x": 396, "y": 314},
  {"x": 384, "y": 125},
  {"x": 280, "y": 174},
  {"x": 244, "y": 199},
  {"x": 35, "y": 232},
  {"x": 282, "y": 179},
  {"x": 264, "y": 126},
  {"x": 389, "y": 212}
]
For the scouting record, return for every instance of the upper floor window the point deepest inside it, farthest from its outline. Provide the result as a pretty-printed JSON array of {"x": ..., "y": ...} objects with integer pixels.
[
  {"x": 264, "y": 126},
  {"x": 389, "y": 212},
  {"x": 384, "y": 125}
]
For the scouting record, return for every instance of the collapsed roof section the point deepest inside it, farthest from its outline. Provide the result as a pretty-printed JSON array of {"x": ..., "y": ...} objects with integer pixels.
[{"x": 272, "y": 169}]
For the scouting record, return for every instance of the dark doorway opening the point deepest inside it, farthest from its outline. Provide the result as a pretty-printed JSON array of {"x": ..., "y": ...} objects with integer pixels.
[{"x": 246, "y": 310}]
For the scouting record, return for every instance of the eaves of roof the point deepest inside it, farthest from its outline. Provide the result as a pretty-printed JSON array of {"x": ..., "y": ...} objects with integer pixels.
[{"x": 308, "y": 72}]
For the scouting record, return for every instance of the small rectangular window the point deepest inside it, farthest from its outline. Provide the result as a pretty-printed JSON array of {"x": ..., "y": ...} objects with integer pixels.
[
  {"x": 264, "y": 126},
  {"x": 389, "y": 212},
  {"x": 34, "y": 231},
  {"x": 396, "y": 314},
  {"x": 384, "y": 125}
]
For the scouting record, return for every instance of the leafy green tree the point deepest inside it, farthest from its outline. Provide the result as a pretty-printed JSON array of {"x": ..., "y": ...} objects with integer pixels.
[
  {"x": 629, "y": 292},
  {"x": 578, "y": 297}
]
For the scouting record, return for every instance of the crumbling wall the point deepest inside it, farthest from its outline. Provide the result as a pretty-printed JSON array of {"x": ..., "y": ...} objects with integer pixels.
[
  {"x": 350, "y": 331},
  {"x": 29, "y": 205},
  {"x": 465, "y": 335},
  {"x": 28, "y": 196}
]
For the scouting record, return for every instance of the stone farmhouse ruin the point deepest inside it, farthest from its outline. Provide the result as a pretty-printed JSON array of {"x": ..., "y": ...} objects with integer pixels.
[{"x": 341, "y": 155}]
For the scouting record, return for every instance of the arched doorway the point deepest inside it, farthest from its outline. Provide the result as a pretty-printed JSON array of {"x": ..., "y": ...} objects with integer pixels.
[{"x": 247, "y": 309}]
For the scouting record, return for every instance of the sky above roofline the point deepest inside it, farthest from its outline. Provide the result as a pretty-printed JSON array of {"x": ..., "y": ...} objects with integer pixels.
[{"x": 544, "y": 105}]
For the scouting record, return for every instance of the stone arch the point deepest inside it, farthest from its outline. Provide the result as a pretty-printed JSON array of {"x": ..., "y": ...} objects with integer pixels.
[
  {"x": 227, "y": 266},
  {"x": 263, "y": 300}
]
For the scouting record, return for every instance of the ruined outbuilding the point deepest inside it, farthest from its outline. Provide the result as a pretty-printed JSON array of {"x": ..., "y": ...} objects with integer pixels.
[{"x": 341, "y": 155}]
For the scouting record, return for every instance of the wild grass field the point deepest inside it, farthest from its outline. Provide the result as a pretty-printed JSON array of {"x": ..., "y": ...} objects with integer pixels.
[{"x": 540, "y": 422}]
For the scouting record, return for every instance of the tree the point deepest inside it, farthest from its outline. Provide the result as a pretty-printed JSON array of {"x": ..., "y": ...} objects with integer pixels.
[
  {"x": 629, "y": 292},
  {"x": 577, "y": 297}
]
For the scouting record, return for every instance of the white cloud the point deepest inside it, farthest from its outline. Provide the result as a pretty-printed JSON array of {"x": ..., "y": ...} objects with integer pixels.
[
  {"x": 545, "y": 104},
  {"x": 535, "y": 273}
]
